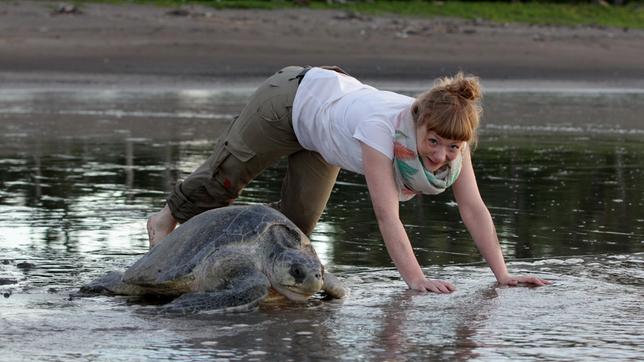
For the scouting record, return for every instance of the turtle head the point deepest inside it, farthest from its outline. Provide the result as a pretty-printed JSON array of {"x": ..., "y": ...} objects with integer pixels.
[{"x": 296, "y": 273}]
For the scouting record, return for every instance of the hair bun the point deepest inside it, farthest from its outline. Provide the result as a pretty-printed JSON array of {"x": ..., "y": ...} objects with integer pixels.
[{"x": 467, "y": 87}]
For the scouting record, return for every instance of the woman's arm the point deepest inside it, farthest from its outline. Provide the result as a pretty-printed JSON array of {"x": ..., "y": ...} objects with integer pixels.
[
  {"x": 478, "y": 221},
  {"x": 379, "y": 173}
]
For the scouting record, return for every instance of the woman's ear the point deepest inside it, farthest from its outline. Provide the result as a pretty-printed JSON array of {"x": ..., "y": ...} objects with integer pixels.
[{"x": 465, "y": 147}]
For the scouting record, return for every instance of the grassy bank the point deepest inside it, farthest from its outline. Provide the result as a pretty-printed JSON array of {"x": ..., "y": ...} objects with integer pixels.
[{"x": 543, "y": 13}]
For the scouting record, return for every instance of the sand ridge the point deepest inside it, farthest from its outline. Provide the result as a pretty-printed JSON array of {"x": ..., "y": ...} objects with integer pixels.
[{"x": 200, "y": 42}]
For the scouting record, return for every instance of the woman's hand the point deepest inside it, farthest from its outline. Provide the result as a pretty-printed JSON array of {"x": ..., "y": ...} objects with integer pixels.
[
  {"x": 432, "y": 285},
  {"x": 512, "y": 280}
]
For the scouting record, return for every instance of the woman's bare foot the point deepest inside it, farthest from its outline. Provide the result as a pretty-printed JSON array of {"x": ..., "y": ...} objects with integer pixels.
[{"x": 160, "y": 225}]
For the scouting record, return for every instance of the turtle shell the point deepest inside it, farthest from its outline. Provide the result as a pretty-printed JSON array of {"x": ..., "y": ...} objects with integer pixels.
[{"x": 170, "y": 264}]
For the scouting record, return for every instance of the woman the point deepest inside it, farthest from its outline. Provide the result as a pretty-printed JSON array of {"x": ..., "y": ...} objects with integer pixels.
[{"x": 324, "y": 120}]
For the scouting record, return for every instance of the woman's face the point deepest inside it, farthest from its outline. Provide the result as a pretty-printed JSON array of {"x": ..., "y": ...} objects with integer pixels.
[{"x": 434, "y": 150}]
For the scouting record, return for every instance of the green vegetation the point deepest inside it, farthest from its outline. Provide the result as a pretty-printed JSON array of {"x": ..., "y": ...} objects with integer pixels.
[{"x": 569, "y": 13}]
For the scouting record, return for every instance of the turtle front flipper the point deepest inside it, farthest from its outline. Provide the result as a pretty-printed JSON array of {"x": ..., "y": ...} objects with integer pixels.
[
  {"x": 239, "y": 296},
  {"x": 220, "y": 301},
  {"x": 333, "y": 287}
]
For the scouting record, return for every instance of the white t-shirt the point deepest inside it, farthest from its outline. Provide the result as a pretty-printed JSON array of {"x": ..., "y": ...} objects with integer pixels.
[{"x": 332, "y": 112}]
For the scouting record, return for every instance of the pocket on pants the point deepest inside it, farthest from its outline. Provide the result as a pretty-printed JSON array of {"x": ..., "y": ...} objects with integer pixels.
[
  {"x": 239, "y": 149},
  {"x": 234, "y": 170}
]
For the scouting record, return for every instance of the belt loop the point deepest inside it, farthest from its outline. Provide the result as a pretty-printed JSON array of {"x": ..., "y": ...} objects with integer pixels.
[{"x": 301, "y": 74}]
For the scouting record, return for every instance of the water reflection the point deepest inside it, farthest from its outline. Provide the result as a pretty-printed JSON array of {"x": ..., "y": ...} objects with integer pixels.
[
  {"x": 454, "y": 330},
  {"x": 73, "y": 179},
  {"x": 80, "y": 171}
]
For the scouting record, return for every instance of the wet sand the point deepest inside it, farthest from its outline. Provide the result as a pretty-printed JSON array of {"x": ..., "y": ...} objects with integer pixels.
[{"x": 138, "y": 44}]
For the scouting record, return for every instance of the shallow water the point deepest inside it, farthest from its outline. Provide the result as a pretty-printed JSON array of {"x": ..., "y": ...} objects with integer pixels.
[{"x": 560, "y": 171}]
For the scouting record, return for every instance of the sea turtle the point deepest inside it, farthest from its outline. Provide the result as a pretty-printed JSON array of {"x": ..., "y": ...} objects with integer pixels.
[{"x": 226, "y": 259}]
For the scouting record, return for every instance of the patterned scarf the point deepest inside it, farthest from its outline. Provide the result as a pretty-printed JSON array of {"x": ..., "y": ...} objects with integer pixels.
[{"x": 411, "y": 177}]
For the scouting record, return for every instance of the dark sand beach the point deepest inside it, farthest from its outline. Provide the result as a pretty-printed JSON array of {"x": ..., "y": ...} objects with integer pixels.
[{"x": 112, "y": 43}]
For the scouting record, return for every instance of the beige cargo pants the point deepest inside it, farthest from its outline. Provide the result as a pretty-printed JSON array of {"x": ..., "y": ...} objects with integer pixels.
[{"x": 261, "y": 135}]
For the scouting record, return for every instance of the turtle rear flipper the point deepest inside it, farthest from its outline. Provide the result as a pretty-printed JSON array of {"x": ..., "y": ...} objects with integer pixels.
[
  {"x": 229, "y": 300},
  {"x": 107, "y": 284},
  {"x": 333, "y": 287},
  {"x": 110, "y": 284}
]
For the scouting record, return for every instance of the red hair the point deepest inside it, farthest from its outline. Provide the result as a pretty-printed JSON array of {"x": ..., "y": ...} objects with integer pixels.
[{"x": 451, "y": 108}]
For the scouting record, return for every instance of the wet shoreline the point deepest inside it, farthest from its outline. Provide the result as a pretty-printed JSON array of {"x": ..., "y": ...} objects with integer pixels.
[{"x": 51, "y": 81}]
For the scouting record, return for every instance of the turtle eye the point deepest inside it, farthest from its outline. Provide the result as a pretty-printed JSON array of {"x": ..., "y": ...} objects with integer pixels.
[{"x": 297, "y": 272}]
